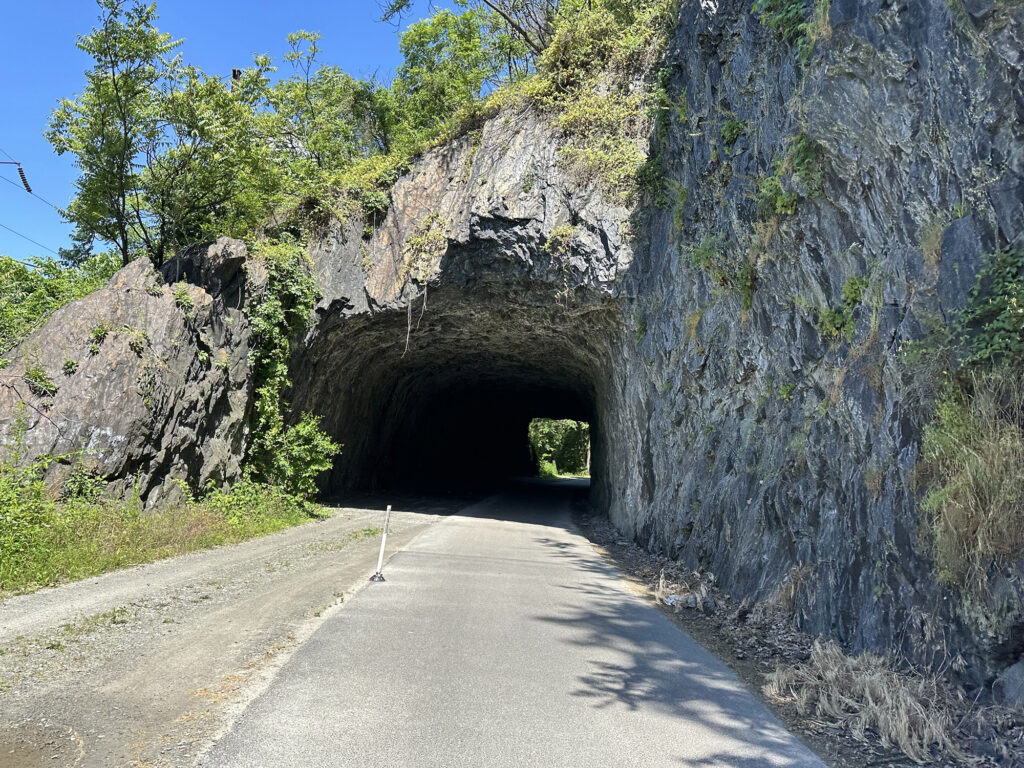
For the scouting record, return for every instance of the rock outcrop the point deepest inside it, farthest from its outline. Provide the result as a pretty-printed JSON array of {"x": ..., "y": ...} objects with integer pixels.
[
  {"x": 733, "y": 428},
  {"x": 144, "y": 382}
]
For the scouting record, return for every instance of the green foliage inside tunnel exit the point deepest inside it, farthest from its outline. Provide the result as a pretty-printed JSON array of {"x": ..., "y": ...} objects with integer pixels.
[{"x": 560, "y": 447}]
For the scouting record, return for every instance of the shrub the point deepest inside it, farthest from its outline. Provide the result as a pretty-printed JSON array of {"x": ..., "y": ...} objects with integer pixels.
[
  {"x": 70, "y": 367},
  {"x": 806, "y": 157},
  {"x": 731, "y": 131},
  {"x": 98, "y": 333},
  {"x": 993, "y": 322},
  {"x": 39, "y": 381},
  {"x": 773, "y": 200},
  {"x": 183, "y": 299},
  {"x": 837, "y": 324}
]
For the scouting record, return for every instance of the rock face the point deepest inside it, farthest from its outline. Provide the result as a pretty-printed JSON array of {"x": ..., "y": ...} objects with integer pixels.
[
  {"x": 150, "y": 381},
  {"x": 730, "y": 427},
  {"x": 772, "y": 454}
]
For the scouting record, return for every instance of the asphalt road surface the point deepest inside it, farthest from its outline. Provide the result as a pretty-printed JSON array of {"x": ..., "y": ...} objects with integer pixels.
[{"x": 501, "y": 638}]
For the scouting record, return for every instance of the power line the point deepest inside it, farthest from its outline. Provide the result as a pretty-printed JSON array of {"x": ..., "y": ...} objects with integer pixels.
[
  {"x": 4, "y": 151},
  {"x": 57, "y": 208},
  {"x": 26, "y": 237}
]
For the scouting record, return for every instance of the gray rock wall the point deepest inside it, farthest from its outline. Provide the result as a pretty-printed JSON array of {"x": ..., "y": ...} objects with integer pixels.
[{"x": 752, "y": 445}]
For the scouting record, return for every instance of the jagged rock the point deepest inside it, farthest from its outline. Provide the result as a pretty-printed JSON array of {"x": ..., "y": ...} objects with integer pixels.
[{"x": 161, "y": 394}]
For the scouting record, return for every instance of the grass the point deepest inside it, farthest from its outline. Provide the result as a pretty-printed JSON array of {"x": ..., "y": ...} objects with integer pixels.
[
  {"x": 913, "y": 711},
  {"x": 972, "y": 462},
  {"x": 45, "y": 540}
]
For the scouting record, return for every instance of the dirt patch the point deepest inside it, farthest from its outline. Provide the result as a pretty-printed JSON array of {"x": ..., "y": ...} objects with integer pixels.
[{"x": 756, "y": 639}]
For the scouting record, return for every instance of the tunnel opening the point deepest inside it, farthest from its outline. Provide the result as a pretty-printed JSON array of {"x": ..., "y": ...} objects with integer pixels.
[
  {"x": 560, "y": 447},
  {"x": 452, "y": 412}
]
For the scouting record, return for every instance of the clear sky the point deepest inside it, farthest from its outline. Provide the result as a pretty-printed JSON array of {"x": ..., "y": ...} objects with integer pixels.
[{"x": 39, "y": 64}]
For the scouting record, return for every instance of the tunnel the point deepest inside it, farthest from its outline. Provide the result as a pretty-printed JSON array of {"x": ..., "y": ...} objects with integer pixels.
[{"x": 441, "y": 398}]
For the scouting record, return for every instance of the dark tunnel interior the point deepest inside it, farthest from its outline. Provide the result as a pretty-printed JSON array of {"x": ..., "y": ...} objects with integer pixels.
[
  {"x": 472, "y": 434},
  {"x": 452, "y": 412}
]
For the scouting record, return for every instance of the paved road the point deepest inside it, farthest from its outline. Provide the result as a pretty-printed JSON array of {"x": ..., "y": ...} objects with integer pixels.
[{"x": 502, "y": 639}]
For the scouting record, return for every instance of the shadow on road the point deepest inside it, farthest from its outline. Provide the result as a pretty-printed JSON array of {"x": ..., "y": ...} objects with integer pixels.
[{"x": 659, "y": 665}]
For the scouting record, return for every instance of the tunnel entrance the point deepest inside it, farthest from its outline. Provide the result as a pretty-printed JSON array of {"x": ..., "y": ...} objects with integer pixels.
[{"x": 454, "y": 410}]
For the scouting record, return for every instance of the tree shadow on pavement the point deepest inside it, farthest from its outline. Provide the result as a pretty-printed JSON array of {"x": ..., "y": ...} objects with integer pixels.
[{"x": 642, "y": 661}]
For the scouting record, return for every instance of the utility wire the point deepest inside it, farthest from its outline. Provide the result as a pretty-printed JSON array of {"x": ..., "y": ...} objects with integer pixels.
[
  {"x": 4, "y": 151},
  {"x": 26, "y": 237},
  {"x": 57, "y": 208}
]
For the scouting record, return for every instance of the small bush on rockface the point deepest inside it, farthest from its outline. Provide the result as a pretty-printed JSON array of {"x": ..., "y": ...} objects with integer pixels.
[
  {"x": 731, "y": 131},
  {"x": 837, "y": 324},
  {"x": 914, "y": 712},
  {"x": 993, "y": 322},
  {"x": 806, "y": 157},
  {"x": 560, "y": 446},
  {"x": 796, "y": 22},
  {"x": 773, "y": 200},
  {"x": 725, "y": 265},
  {"x": 39, "y": 381},
  {"x": 183, "y": 299}
]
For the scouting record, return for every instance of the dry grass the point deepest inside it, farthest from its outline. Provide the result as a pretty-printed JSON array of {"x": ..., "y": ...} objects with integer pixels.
[
  {"x": 916, "y": 712},
  {"x": 931, "y": 240},
  {"x": 972, "y": 462}
]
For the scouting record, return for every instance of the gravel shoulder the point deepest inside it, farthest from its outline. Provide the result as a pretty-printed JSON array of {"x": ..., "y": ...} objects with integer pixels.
[{"x": 144, "y": 667}]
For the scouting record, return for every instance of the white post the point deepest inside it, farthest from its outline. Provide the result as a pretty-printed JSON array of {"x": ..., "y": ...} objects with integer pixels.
[{"x": 378, "y": 576}]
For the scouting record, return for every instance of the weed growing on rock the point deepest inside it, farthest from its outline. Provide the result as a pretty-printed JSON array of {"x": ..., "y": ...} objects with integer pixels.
[
  {"x": 806, "y": 158},
  {"x": 732, "y": 129},
  {"x": 183, "y": 300},
  {"x": 837, "y": 324},
  {"x": 39, "y": 381},
  {"x": 69, "y": 367},
  {"x": 773, "y": 200},
  {"x": 98, "y": 333},
  {"x": 797, "y": 22},
  {"x": 725, "y": 266}
]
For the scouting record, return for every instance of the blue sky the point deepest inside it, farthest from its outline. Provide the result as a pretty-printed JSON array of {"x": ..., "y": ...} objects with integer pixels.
[{"x": 39, "y": 64}]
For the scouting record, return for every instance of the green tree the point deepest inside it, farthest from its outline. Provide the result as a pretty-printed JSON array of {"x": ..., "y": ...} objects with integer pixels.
[
  {"x": 526, "y": 24},
  {"x": 216, "y": 172},
  {"x": 322, "y": 118},
  {"x": 447, "y": 60},
  {"x": 113, "y": 123},
  {"x": 29, "y": 293}
]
